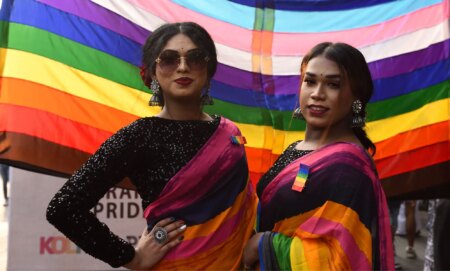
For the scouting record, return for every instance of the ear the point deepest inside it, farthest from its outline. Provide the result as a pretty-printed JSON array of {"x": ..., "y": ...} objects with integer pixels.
[{"x": 153, "y": 76}]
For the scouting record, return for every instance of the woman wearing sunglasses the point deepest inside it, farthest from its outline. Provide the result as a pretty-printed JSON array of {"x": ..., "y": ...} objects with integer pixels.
[{"x": 188, "y": 167}]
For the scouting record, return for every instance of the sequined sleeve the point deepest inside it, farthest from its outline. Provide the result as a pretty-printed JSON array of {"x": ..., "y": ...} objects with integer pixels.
[{"x": 69, "y": 210}]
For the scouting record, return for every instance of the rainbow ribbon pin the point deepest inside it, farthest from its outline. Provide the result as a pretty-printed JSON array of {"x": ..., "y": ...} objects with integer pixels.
[
  {"x": 301, "y": 178},
  {"x": 238, "y": 140}
]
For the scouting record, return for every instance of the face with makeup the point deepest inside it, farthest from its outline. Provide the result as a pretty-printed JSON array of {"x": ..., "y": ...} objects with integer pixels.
[
  {"x": 325, "y": 96},
  {"x": 181, "y": 70}
]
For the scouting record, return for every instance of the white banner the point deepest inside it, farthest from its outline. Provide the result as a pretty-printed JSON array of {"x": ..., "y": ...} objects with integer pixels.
[{"x": 34, "y": 244}]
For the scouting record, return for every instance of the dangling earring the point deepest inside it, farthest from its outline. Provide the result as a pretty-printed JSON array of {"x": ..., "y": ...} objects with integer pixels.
[
  {"x": 155, "y": 100},
  {"x": 357, "y": 120},
  {"x": 206, "y": 98},
  {"x": 298, "y": 114}
]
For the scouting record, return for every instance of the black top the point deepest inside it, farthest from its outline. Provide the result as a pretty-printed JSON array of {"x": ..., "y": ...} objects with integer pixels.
[
  {"x": 288, "y": 156},
  {"x": 149, "y": 151}
]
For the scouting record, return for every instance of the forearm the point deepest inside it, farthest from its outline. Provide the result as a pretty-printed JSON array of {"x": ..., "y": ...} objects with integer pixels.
[
  {"x": 92, "y": 236},
  {"x": 69, "y": 211}
]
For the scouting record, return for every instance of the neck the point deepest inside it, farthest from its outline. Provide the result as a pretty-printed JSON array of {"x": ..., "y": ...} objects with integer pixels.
[
  {"x": 177, "y": 111},
  {"x": 316, "y": 138}
]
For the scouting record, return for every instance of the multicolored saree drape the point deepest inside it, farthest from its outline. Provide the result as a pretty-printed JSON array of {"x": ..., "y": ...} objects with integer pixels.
[
  {"x": 213, "y": 195},
  {"x": 339, "y": 221}
]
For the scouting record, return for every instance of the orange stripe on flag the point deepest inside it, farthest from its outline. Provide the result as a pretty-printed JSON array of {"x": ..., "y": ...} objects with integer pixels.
[
  {"x": 415, "y": 159},
  {"x": 44, "y": 98},
  {"x": 50, "y": 127},
  {"x": 414, "y": 139}
]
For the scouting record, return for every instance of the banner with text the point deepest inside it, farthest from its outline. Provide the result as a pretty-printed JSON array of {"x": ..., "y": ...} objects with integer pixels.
[{"x": 34, "y": 244}]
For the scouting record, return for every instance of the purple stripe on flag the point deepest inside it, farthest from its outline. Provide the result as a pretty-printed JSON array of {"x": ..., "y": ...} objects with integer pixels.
[
  {"x": 289, "y": 84},
  {"x": 283, "y": 85},
  {"x": 405, "y": 63},
  {"x": 101, "y": 16}
]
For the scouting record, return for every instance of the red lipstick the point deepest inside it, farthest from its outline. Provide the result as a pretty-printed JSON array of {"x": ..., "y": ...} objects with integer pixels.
[{"x": 184, "y": 81}]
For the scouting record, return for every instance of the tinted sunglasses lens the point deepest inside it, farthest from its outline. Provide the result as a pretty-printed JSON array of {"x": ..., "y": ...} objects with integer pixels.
[
  {"x": 169, "y": 60},
  {"x": 196, "y": 59}
]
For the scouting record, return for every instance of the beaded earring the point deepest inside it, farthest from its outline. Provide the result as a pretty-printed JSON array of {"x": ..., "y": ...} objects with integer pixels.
[
  {"x": 357, "y": 120},
  {"x": 155, "y": 100},
  {"x": 206, "y": 98},
  {"x": 298, "y": 114}
]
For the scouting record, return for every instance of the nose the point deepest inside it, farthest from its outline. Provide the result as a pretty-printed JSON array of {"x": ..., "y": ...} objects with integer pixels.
[
  {"x": 318, "y": 92},
  {"x": 183, "y": 66}
]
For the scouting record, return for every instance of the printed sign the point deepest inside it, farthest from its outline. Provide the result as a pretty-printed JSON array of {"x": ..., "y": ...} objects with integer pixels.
[{"x": 34, "y": 244}]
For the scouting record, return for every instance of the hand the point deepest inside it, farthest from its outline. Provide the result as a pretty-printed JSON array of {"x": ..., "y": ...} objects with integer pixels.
[
  {"x": 149, "y": 251},
  {"x": 251, "y": 256}
]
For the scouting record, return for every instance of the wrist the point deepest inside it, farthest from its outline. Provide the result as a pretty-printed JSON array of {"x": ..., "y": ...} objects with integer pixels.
[{"x": 135, "y": 263}]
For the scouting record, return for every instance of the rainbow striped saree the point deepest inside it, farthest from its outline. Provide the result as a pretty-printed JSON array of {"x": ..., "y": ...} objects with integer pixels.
[
  {"x": 339, "y": 220},
  {"x": 213, "y": 195}
]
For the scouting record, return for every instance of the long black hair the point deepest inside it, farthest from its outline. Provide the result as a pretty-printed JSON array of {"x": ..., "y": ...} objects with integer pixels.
[{"x": 351, "y": 63}]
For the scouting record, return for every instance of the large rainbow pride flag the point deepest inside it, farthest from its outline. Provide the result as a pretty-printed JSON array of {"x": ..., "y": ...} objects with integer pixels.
[{"x": 69, "y": 77}]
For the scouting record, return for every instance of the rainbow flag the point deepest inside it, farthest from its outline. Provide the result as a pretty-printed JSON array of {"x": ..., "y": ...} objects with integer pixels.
[
  {"x": 69, "y": 77},
  {"x": 238, "y": 140},
  {"x": 301, "y": 178}
]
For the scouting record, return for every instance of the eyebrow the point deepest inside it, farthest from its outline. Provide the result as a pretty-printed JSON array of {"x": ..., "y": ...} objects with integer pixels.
[
  {"x": 331, "y": 76},
  {"x": 172, "y": 50}
]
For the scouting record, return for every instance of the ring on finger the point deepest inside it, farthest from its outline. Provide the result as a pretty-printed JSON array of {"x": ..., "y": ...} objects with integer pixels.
[{"x": 160, "y": 235}]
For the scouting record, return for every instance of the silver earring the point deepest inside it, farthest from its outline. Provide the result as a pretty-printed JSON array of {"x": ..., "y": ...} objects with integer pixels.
[
  {"x": 155, "y": 100},
  {"x": 206, "y": 99},
  {"x": 357, "y": 120},
  {"x": 298, "y": 114}
]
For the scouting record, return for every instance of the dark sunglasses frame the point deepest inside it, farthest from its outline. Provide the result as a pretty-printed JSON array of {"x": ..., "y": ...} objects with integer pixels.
[{"x": 169, "y": 60}]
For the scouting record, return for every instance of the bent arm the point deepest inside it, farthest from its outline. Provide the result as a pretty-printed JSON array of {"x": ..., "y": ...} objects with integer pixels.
[{"x": 69, "y": 210}]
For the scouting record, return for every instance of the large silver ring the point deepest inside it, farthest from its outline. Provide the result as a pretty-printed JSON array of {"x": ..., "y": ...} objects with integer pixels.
[{"x": 160, "y": 235}]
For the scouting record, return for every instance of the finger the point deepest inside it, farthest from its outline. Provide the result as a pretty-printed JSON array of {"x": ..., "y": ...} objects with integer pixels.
[
  {"x": 146, "y": 231},
  {"x": 177, "y": 225},
  {"x": 161, "y": 224},
  {"x": 164, "y": 222},
  {"x": 177, "y": 232},
  {"x": 168, "y": 224},
  {"x": 172, "y": 243}
]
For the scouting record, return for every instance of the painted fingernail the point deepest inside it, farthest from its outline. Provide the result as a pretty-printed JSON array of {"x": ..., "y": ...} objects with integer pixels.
[
  {"x": 172, "y": 219},
  {"x": 183, "y": 227}
]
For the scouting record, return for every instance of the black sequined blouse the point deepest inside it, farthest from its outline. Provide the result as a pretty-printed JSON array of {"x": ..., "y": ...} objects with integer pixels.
[
  {"x": 150, "y": 151},
  {"x": 289, "y": 155}
]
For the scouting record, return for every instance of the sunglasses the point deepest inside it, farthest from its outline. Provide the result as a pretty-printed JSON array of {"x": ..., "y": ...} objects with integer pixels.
[{"x": 169, "y": 60}]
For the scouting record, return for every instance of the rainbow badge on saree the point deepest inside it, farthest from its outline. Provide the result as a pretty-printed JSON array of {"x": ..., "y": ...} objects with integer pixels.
[
  {"x": 301, "y": 178},
  {"x": 238, "y": 140}
]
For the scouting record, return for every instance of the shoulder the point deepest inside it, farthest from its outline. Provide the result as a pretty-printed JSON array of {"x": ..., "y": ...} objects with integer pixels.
[
  {"x": 344, "y": 166},
  {"x": 136, "y": 126},
  {"x": 227, "y": 124},
  {"x": 290, "y": 150},
  {"x": 224, "y": 121},
  {"x": 345, "y": 149},
  {"x": 349, "y": 156},
  {"x": 133, "y": 131},
  {"x": 293, "y": 145}
]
